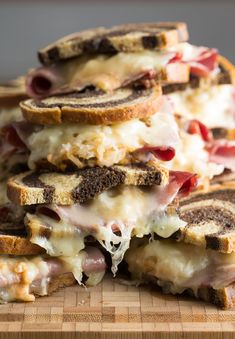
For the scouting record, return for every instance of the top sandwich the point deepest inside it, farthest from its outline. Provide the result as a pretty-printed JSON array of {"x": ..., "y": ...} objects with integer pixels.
[
  {"x": 112, "y": 58},
  {"x": 134, "y": 123}
]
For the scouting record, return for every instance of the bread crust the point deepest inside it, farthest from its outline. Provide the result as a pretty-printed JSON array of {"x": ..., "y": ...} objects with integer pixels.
[
  {"x": 66, "y": 189},
  {"x": 122, "y": 38},
  {"x": 228, "y": 66},
  {"x": 16, "y": 245},
  {"x": 146, "y": 103},
  {"x": 61, "y": 281},
  {"x": 210, "y": 218}
]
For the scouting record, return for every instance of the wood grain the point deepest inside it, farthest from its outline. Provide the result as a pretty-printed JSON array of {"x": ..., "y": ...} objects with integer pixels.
[{"x": 113, "y": 310}]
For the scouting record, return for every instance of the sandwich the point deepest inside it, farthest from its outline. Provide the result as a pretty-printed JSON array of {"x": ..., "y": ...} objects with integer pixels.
[
  {"x": 107, "y": 205},
  {"x": 114, "y": 113},
  {"x": 110, "y": 158},
  {"x": 27, "y": 271},
  {"x": 199, "y": 259}
]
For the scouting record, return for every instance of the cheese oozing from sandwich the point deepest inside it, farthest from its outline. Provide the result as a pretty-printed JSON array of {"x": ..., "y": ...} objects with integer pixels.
[
  {"x": 89, "y": 145},
  {"x": 21, "y": 278},
  {"x": 214, "y": 105},
  {"x": 177, "y": 266},
  {"x": 112, "y": 218}
]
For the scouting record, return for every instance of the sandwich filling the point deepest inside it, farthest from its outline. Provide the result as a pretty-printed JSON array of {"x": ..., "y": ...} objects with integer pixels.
[
  {"x": 89, "y": 145},
  {"x": 214, "y": 105},
  {"x": 112, "y": 218},
  {"x": 111, "y": 72},
  {"x": 158, "y": 136},
  {"x": 178, "y": 267},
  {"x": 21, "y": 278}
]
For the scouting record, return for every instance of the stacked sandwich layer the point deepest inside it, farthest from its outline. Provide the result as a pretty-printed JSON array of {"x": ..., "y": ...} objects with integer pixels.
[{"x": 113, "y": 149}]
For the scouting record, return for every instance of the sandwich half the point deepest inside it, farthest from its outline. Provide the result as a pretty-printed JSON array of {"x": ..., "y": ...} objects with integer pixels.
[
  {"x": 109, "y": 205},
  {"x": 199, "y": 259}
]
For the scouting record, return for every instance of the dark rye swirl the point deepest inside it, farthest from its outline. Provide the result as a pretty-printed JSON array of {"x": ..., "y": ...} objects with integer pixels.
[
  {"x": 210, "y": 218},
  {"x": 78, "y": 187},
  {"x": 93, "y": 106},
  {"x": 122, "y": 38}
]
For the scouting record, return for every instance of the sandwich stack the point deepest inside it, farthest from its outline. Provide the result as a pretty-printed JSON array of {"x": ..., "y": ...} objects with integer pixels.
[{"x": 113, "y": 149}]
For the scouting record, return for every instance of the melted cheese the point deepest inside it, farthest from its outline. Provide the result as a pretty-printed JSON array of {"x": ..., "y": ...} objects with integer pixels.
[
  {"x": 21, "y": 278},
  {"x": 181, "y": 266},
  {"x": 8, "y": 115},
  {"x": 214, "y": 106},
  {"x": 109, "y": 73},
  {"x": 130, "y": 210},
  {"x": 20, "y": 273},
  {"x": 101, "y": 145}
]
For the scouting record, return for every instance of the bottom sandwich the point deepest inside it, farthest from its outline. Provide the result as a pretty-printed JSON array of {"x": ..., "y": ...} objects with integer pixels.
[{"x": 200, "y": 259}]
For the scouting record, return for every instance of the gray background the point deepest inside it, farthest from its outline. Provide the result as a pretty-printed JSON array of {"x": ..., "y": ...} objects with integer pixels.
[{"x": 26, "y": 26}]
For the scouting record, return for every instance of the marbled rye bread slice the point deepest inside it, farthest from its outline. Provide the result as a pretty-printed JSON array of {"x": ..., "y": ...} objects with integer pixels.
[
  {"x": 78, "y": 187},
  {"x": 14, "y": 241},
  {"x": 94, "y": 107},
  {"x": 210, "y": 217},
  {"x": 122, "y": 38}
]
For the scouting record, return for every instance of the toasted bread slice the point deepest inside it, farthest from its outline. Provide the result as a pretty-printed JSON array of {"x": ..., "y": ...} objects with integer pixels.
[
  {"x": 57, "y": 282},
  {"x": 12, "y": 92},
  {"x": 18, "y": 245},
  {"x": 13, "y": 234},
  {"x": 223, "y": 297},
  {"x": 211, "y": 218},
  {"x": 94, "y": 107},
  {"x": 67, "y": 189},
  {"x": 228, "y": 67},
  {"x": 226, "y": 75},
  {"x": 122, "y": 38}
]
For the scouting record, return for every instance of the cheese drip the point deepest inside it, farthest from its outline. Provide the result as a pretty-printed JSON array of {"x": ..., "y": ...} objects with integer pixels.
[{"x": 129, "y": 210}]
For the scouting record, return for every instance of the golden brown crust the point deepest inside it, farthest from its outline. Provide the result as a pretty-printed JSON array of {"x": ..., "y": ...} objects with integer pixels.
[
  {"x": 127, "y": 104},
  {"x": 61, "y": 281},
  {"x": 15, "y": 245},
  {"x": 228, "y": 66},
  {"x": 223, "y": 297}
]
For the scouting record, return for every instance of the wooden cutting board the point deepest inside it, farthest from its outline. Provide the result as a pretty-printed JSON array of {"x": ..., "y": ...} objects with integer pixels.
[{"x": 113, "y": 310}]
